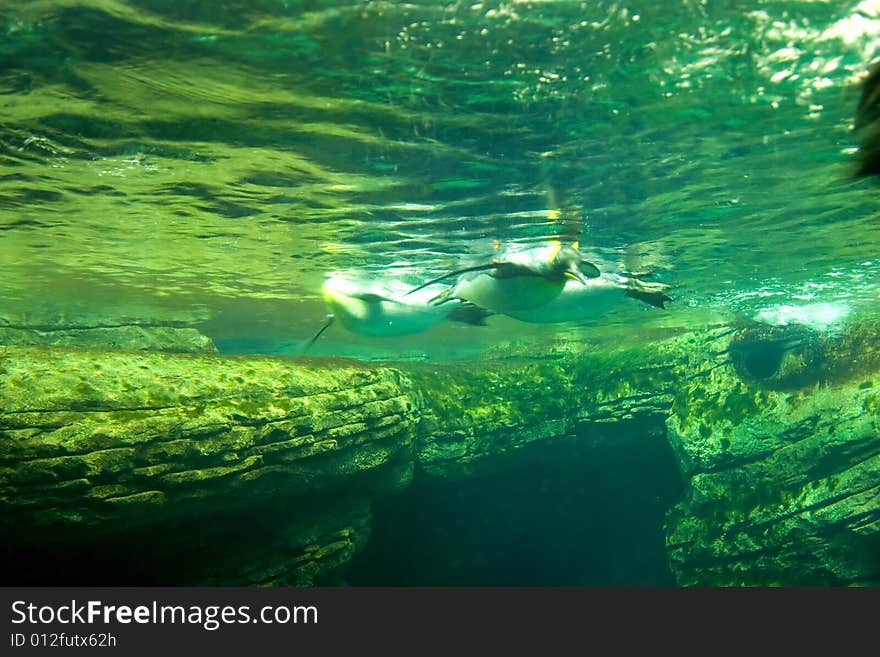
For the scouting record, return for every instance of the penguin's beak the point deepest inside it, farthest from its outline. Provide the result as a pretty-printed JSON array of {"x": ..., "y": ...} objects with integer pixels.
[{"x": 574, "y": 276}]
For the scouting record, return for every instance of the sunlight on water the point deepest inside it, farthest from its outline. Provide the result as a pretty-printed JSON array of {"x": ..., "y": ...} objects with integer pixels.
[{"x": 214, "y": 167}]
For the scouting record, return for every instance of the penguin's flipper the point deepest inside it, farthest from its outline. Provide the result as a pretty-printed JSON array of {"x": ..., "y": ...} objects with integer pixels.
[
  {"x": 491, "y": 265},
  {"x": 512, "y": 270},
  {"x": 469, "y": 313}
]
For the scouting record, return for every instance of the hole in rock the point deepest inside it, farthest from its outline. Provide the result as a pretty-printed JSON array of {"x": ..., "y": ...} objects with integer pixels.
[
  {"x": 586, "y": 510},
  {"x": 762, "y": 359}
]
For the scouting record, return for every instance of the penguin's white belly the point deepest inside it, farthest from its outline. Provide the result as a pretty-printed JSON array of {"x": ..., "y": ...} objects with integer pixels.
[
  {"x": 375, "y": 317},
  {"x": 503, "y": 295},
  {"x": 576, "y": 302},
  {"x": 383, "y": 318}
]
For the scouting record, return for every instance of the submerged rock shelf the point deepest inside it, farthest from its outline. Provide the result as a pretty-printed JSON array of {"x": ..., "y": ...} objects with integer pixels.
[
  {"x": 133, "y": 336},
  {"x": 156, "y": 455},
  {"x": 98, "y": 443}
]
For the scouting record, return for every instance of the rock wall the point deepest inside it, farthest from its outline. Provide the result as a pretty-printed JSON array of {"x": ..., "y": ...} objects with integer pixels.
[
  {"x": 784, "y": 474},
  {"x": 99, "y": 444},
  {"x": 262, "y": 470},
  {"x": 130, "y": 337}
]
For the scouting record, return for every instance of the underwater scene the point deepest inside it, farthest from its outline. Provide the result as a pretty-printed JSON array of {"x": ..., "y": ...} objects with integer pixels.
[{"x": 320, "y": 293}]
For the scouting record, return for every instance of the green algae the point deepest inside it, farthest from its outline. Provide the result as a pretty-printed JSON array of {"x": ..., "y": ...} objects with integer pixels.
[{"x": 769, "y": 470}]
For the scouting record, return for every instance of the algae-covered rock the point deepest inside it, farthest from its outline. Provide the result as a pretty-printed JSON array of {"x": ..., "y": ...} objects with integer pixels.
[
  {"x": 476, "y": 411},
  {"x": 106, "y": 440},
  {"x": 783, "y": 482},
  {"x": 125, "y": 337},
  {"x": 274, "y": 547},
  {"x": 264, "y": 470},
  {"x": 472, "y": 413},
  {"x": 97, "y": 446},
  {"x": 805, "y": 509},
  {"x": 784, "y": 357}
]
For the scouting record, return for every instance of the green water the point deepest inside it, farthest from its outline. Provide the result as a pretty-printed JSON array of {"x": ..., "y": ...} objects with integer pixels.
[{"x": 209, "y": 164}]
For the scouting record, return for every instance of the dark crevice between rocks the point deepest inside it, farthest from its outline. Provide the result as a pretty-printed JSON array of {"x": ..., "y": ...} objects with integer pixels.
[{"x": 585, "y": 510}]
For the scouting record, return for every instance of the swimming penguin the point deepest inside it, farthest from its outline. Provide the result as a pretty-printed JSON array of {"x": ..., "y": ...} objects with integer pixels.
[
  {"x": 522, "y": 279},
  {"x": 375, "y": 309},
  {"x": 579, "y": 301}
]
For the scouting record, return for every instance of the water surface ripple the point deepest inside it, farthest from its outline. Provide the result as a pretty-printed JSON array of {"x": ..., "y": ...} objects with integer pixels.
[{"x": 213, "y": 161}]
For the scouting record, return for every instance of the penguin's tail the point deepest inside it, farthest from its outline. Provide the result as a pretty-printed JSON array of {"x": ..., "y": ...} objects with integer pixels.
[
  {"x": 468, "y": 313},
  {"x": 653, "y": 294}
]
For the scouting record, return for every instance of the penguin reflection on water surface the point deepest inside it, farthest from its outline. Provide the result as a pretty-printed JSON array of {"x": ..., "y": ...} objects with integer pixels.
[{"x": 520, "y": 280}]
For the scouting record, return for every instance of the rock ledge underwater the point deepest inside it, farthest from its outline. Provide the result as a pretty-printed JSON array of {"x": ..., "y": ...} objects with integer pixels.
[{"x": 198, "y": 468}]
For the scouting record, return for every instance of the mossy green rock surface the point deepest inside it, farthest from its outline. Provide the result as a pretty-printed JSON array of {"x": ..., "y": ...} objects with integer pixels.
[
  {"x": 100, "y": 444},
  {"x": 132, "y": 449},
  {"x": 784, "y": 485},
  {"x": 129, "y": 337}
]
